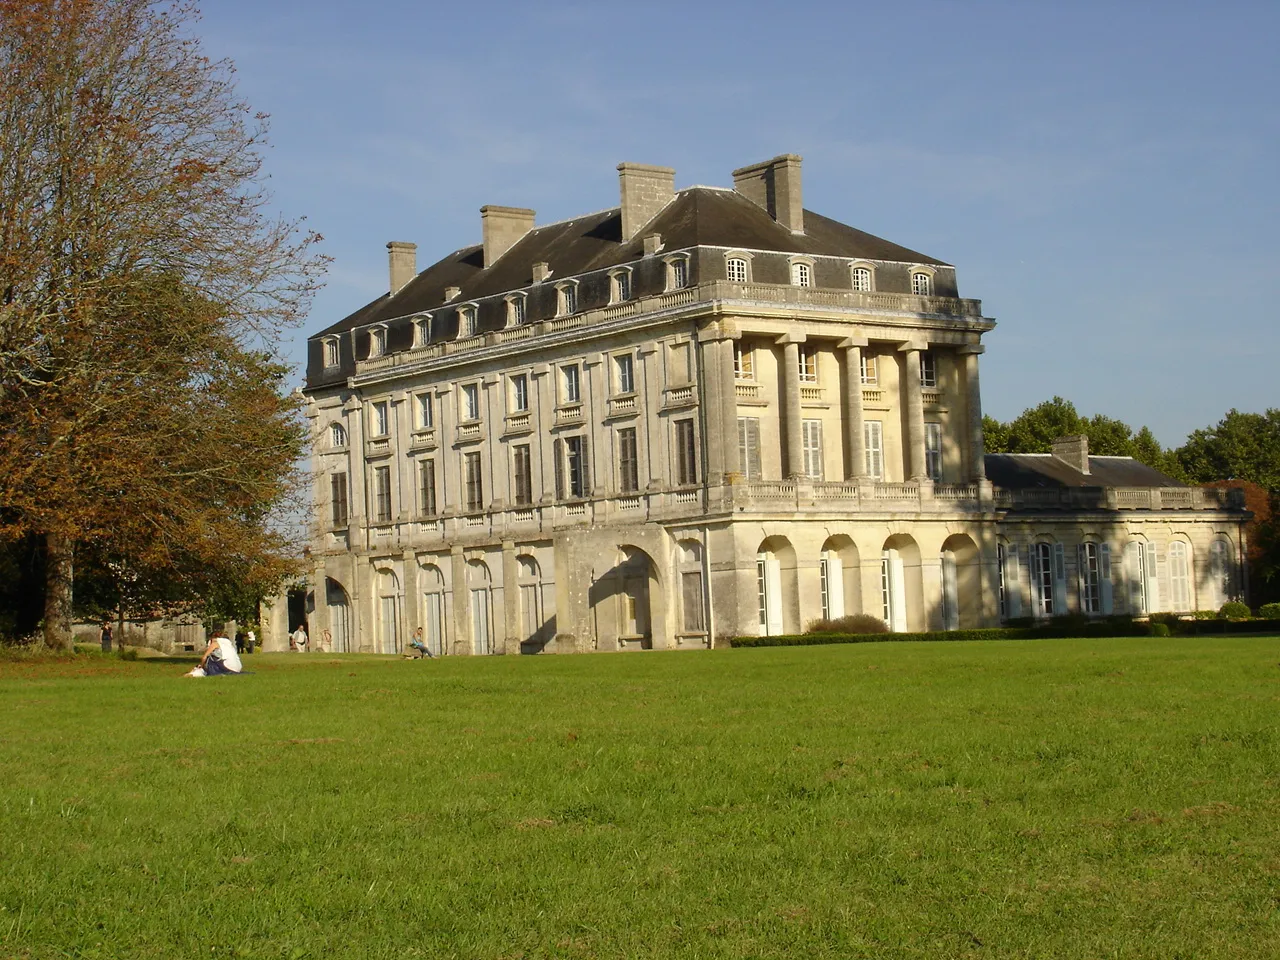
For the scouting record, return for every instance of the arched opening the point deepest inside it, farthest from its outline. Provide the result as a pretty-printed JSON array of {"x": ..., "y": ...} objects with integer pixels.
[
  {"x": 1221, "y": 585},
  {"x": 776, "y": 587},
  {"x": 621, "y": 601},
  {"x": 535, "y": 629},
  {"x": 693, "y": 601},
  {"x": 1142, "y": 586},
  {"x": 961, "y": 583},
  {"x": 431, "y": 579},
  {"x": 901, "y": 584},
  {"x": 839, "y": 583},
  {"x": 388, "y": 588},
  {"x": 480, "y": 600},
  {"x": 339, "y": 605}
]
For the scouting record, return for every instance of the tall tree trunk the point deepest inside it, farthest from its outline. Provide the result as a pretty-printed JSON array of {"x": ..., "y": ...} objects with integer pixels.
[{"x": 59, "y": 557}]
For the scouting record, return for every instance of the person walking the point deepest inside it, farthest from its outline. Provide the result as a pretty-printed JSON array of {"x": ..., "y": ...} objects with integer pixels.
[{"x": 105, "y": 636}]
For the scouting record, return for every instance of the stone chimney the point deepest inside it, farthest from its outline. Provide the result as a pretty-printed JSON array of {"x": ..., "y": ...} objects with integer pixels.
[
  {"x": 645, "y": 191},
  {"x": 402, "y": 259},
  {"x": 775, "y": 185},
  {"x": 541, "y": 270},
  {"x": 503, "y": 228},
  {"x": 1074, "y": 451}
]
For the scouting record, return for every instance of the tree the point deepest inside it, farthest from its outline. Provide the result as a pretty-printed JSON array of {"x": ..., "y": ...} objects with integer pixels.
[
  {"x": 1243, "y": 446},
  {"x": 142, "y": 284}
]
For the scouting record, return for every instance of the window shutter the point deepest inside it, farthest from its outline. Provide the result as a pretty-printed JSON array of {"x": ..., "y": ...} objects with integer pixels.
[
  {"x": 1153, "y": 579},
  {"x": 586, "y": 468},
  {"x": 1082, "y": 574},
  {"x": 1059, "y": 579},
  {"x": 1012, "y": 581},
  {"x": 557, "y": 451},
  {"x": 1104, "y": 575}
]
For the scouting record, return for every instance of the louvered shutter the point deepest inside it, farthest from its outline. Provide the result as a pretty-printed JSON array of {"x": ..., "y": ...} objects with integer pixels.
[
  {"x": 1153, "y": 578},
  {"x": 1104, "y": 577},
  {"x": 557, "y": 450},
  {"x": 586, "y": 468},
  {"x": 1013, "y": 581},
  {"x": 1082, "y": 576}
]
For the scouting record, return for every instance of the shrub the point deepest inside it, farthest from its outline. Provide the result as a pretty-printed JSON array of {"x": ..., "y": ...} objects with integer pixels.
[
  {"x": 1158, "y": 630},
  {"x": 1234, "y": 610},
  {"x": 1269, "y": 611},
  {"x": 853, "y": 623}
]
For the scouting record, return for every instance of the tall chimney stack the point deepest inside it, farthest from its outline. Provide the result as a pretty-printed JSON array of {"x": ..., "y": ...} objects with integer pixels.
[
  {"x": 1073, "y": 450},
  {"x": 775, "y": 186},
  {"x": 402, "y": 259},
  {"x": 503, "y": 228},
  {"x": 645, "y": 190}
]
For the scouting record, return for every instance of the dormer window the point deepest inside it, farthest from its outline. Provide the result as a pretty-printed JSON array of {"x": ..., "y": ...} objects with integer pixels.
[
  {"x": 467, "y": 326},
  {"x": 620, "y": 286},
  {"x": 735, "y": 270},
  {"x": 921, "y": 283},
  {"x": 515, "y": 310},
  {"x": 861, "y": 278},
  {"x": 337, "y": 435},
  {"x": 677, "y": 272},
  {"x": 377, "y": 342},
  {"x": 422, "y": 331},
  {"x": 567, "y": 298},
  {"x": 331, "y": 352},
  {"x": 801, "y": 273}
]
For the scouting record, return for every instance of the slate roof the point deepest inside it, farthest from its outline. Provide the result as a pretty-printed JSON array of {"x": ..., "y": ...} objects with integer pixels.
[
  {"x": 1019, "y": 471},
  {"x": 698, "y": 216}
]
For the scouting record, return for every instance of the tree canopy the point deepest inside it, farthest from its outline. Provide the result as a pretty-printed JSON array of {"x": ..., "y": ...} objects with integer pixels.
[{"x": 143, "y": 285}]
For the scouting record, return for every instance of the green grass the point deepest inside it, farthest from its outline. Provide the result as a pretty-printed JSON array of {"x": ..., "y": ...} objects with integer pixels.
[{"x": 1072, "y": 798}]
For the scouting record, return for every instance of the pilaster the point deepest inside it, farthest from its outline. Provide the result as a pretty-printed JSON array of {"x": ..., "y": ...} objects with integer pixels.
[
  {"x": 855, "y": 437},
  {"x": 791, "y": 403}
]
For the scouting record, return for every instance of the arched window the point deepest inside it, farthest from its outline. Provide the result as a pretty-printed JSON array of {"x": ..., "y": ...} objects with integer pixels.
[
  {"x": 801, "y": 275},
  {"x": 1048, "y": 579},
  {"x": 388, "y": 612},
  {"x": 531, "y": 618},
  {"x": 377, "y": 342},
  {"x": 431, "y": 580},
  {"x": 331, "y": 352},
  {"x": 1179, "y": 577},
  {"x": 693, "y": 618},
  {"x": 921, "y": 284},
  {"x": 337, "y": 435},
  {"x": 861, "y": 278},
  {"x": 1093, "y": 568},
  {"x": 467, "y": 323},
  {"x": 735, "y": 270},
  {"x": 1221, "y": 580},
  {"x": 478, "y": 586}
]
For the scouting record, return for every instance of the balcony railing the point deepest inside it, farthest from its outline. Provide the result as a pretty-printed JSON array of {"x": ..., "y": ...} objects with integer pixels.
[{"x": 1119, "y": 498}]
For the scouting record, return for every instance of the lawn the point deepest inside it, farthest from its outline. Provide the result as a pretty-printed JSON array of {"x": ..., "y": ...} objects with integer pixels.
[{"x": 1066, "y": 798}]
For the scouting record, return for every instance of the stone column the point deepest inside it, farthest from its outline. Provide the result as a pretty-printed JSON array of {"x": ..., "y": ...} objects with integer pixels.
[
  {"x": 510, "y": 598},
  {"x": 543, "y": 390},
  {"x": 462, "y": 642},
  {"x": 791, "y": 404},
  {"x": 853, "y": 409},
  {"x": 973, "y": 407},
  {"x": 728, "y": 421},
  {"x": 411, "y": 606},
  {"x": 718, "y": 403},
  {"x": 320, "y": 613},
  {"x": 915, "y": 413}
]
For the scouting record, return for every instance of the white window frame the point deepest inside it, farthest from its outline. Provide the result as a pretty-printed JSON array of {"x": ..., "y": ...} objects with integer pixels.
[
  {"x": 744, "y": 366},
  {"x": 422, "y": 330},
  {"x": 624, "y": 372},
  {"x": 1181, "y": 589},
  {"x": 677, "y": 271},
  {"x": 807, "y": 362},
  {"x": 337, "y": 435},
  {"x": 862, "y": 277},
  {"x": 332, "y": 353},
  {"x": 921, "y": 282},
  {"x": 737, "y": 268},
  {"x": 424, "y": 408},
  {"x": 566, "y": 298},
  {"x": 928, "y": 369},
  {"x": 468, "y": 321},
  {"x": 869, "y": 370},
  {"x": 802, "y": 273},
  {"x": 517, "y": 309},
  {"x": 570, "y": 384},
  {"x": 620, "y": 285},
  {"x": 380, "y": 418},
  {"x": 469, "y": 402},
  {"x": 518, "y": 392},
  {"x": 377, "y": 341}
]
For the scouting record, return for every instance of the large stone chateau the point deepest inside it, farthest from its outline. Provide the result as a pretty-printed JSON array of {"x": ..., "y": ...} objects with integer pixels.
[{"x": 701, "y": 413}]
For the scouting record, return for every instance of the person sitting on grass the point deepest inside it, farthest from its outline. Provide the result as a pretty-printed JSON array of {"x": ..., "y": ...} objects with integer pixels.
[
  {"x": 219, "y": 657},
  {"x": 419, "y": 648}
]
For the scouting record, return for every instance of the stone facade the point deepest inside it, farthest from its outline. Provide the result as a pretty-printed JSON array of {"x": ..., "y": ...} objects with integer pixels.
[{"x": 619, "y": 433}]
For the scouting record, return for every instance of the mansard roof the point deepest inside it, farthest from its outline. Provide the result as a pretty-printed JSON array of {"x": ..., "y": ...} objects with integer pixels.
[
  {"x": 698, "y": 216},
  {"x": 1020, "y": 471}
]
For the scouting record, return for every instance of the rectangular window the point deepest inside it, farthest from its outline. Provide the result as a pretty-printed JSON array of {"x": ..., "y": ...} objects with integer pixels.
[
  {"x": 621, "y": 286},
  {"x": 575, "y": 463},
  {"x": 517, "y": 310},
  {"x": 686, "y": 453},
  {"x": 331, "y": 353},
  {"x": 1042, "y": 579},
  {"x": 811, "y": 434},
  {"x": 519, "y": 393},
  {"x": 427, "y": 488},
  {"x": 570, "y": 379},
  {"x": 626, "y": 375},
  {"x": 568, "y": 299},
  {"x": 1001, "y": 591},
  {"x": 808, "y": 362},
  {"x": 377, "y": 342},
  {"x": 338, "y": 496},
  {"x": 873, "y": 440},
  {"x": 628, "y": 461},
  {"x": 749, "y": 447},
  {"x": 744, "y": 367},
  {"x": 928, "y": 369},
  {"x": 933, "y": 451},
  {"x": 381, "y": 425},
  {"x": 382, "y": 494},
  {"x": 1090, "y": 561},
  {"x": 522, "y": 474},
  {"x": 691, "y": 594},
  {"x": 467, "y": 321},
  {"x": 422, "y": 403},
  {"x": 470, "y": 402},
  {"x": 473, "y": 483},
  {"x": 869, "y": 371},
  {"x": 421, "y": 332}
]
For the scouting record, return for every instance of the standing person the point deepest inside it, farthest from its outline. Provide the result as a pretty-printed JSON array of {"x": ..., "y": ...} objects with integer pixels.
[
  {"x": 105, "y": 636},
  {"x": 239, "y": 641},
  {"x": 302, "y": 638},
  {"x": 219, "y": 657},
  {"x": 253, "y": 639}
]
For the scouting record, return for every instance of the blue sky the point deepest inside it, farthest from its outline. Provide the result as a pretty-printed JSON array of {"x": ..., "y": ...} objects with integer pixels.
[{"x": 1103, "y": 175}]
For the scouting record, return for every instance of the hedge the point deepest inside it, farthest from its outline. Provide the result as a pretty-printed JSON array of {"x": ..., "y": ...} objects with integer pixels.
[{"x": 1053, "y": 630}]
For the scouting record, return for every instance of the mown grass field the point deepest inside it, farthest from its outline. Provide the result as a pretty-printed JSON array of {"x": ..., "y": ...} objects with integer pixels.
[{"x": 1087, "y": 799}]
